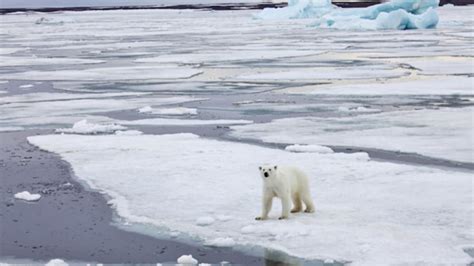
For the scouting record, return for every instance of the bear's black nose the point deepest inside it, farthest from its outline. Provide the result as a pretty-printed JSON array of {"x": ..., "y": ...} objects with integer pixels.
[{"x": 265, "y": 174}]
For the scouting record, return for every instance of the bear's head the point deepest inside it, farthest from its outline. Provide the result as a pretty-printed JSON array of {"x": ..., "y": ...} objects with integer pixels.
[{"x": 268, "y": 171}]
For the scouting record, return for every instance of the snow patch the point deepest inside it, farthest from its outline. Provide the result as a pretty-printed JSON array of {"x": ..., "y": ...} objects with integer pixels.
[
  {"x": 27, "y": 196},
  {"x": 184, "y": 122},
  {"x": 128, "y": 132}
]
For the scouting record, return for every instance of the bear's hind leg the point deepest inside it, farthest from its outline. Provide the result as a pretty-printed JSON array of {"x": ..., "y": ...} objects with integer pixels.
[
  {"x": 308, "y": 202},
  {"x": 297, "y": 204}
]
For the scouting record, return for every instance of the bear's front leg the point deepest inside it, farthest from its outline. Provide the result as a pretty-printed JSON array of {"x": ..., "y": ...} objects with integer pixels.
[
  {"x": 285, "y": 207},
  {"x": 266, "y": 207}
]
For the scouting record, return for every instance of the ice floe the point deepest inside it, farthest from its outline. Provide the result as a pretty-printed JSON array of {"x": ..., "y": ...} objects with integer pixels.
[
  {"x": 308, "y": 148},
  {"x": 168, "y": 111},
  {"x": 187, "y": 260},
  {"x": 56, "y": 262},
  {"x": 366, "y": 210},
  {"x": 221, "y": 242},
  {"x": 85, "y": 127},
  {"x": 184, "y": 122},
  {"x": 443, "y": 133},
  {"x": 27, "y": 196},
  {"x": 395, "y": 14}
]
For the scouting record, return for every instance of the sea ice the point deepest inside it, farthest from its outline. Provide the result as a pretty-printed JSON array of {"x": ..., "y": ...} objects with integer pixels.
[
  {"x": 396, "y": 14},
  {"x": 184, "y": 122},
  {"x": 169, "y": 111},
  {"x": 391, "y": 205},
  {"x": 27, "y": 196},
  {"x": 442, "y": 133},
  {"x": 56, "y": 262},
  {"x": 85, "y": 127},
  {"x": 187, "y": 259},
  {"x": 308, "y": 148},
  {"x": 221, "y": 242},
  {"x": 204, "y": 221}
]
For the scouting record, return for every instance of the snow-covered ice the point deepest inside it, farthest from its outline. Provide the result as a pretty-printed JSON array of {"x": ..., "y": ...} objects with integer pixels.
[
  {"x": 187, "y": 260},
  {"x": 205, "y": 221},
  {"x": 85, "y": 127},
  {"x": 184, "y": 122},
  {"x": 442, "y": 133},
  {"x": 221, "y": 242},
  {"x": 27, "y": 196},
  {"x": 308, "y": 148},
  {"x": 168, "y": 111},
  {"x": 391, "y": 205},
  {"x": 56, "y": 262}
]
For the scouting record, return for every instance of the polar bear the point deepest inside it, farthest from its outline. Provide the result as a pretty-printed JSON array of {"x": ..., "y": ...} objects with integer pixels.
[{"x": 288, "y": 184}]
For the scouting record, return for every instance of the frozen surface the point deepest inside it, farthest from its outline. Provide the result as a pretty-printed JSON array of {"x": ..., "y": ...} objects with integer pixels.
[
  {"x": 308, "y": 148},
  {"x": 27, "y": 196},
  {"x": 424, "y": 86},
  {"x": 424, "y": 205},
  {"x": 395, "y": 14},
  {"x": 187, "y": 259},
  {"x": 85, "y": 127},
  {"x": 444, "y": 133},
  {"x": 56, "y": 262},
  {"x": 184, "y": 122},
  {"x": 169, "y": 111}
]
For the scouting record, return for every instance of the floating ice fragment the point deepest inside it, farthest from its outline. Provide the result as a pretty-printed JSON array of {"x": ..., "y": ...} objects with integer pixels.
[
  {"x": 128, "y": 132},
  {"x": 27, "y": 196},
  {"x": 221, "y": 242},
  {"x": 308, "y": 148},
  {"x": 204, "y": 221},
  {"x": 187, "y": 259},
  {"x": 56, "y": 262},
  {"x": 85, "y": 127}
]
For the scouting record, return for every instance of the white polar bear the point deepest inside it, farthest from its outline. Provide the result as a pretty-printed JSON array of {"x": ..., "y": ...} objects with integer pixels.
[{"x": 288, "y": 184}]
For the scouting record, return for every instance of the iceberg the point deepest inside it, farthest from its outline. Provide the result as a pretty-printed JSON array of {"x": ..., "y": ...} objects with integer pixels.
[{"x": 395, "y": 15}]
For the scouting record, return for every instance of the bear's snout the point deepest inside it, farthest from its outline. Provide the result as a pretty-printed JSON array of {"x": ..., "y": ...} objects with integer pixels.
[{"x": 265, "y": 174}]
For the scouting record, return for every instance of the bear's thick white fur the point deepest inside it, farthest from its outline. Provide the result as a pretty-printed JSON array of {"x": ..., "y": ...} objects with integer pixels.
[{"x": 287, "y": 183}]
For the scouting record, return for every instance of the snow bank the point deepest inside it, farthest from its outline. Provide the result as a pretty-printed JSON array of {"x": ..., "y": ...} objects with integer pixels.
[
  {"x": 308, "y": 148},
  {"x": 443, "y": 133},
  {"x": 27, "y": 196},
  {"x": 358, "y": 109},
  {"x": 85, "y": 127},
  {"x": 366, "y": 210},
  {"x": 187, "y": 259},
  {"x": 396, "y": 14}
]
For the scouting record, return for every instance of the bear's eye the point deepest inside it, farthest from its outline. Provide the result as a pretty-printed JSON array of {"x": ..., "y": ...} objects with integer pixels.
[{"x": 270, "y": 170}]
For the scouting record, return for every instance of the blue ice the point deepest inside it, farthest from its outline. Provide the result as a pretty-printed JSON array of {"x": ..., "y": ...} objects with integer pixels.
[{"x": 396, "y": 14}]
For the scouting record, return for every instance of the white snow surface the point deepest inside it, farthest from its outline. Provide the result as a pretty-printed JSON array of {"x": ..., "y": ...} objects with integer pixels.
[
  {"x": 85, "y": 127},
  {"x": 308, "y": 148},
  {"x": 184, "y": 122},
  {"x": 187, "y": 259},
  {"x": 221, "y": 242},
  {"x": 27, "y": 196},
  {"x": 367, "y": 212},
  {"x": 444, "y": 133},
  {"x": 56, "y": 262},
  {"x": 168, "y": 111}
]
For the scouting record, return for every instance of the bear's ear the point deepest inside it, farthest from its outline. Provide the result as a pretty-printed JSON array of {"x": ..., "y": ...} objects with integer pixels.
[
  {"x": 275, "y": 167},
  {"x": 260, "y": 168}
]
